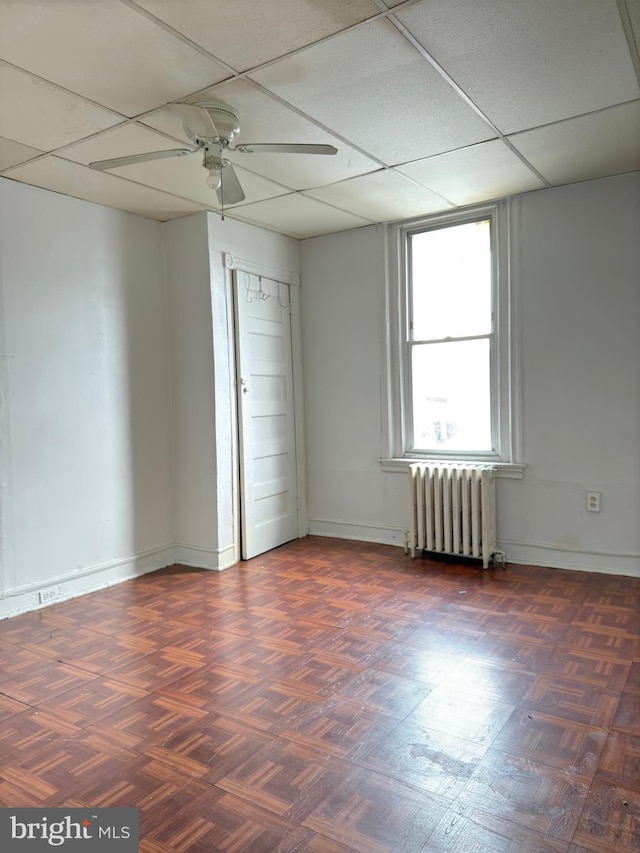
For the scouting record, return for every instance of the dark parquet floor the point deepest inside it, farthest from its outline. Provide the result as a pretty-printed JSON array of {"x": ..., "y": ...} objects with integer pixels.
[{"x": 334, "y": 696}]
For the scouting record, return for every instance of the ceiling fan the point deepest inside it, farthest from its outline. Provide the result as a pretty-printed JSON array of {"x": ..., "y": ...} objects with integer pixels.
[{"x": 212, "y": 126}]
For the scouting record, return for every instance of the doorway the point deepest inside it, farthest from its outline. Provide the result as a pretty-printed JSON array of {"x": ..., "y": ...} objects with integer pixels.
[{"x": 266, "y": 413}]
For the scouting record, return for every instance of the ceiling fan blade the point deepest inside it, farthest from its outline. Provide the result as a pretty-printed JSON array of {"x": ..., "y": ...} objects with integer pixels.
[
  {"x": 197, "y": 119},
  {"x": 140, "y": 158},
  {"x": 284, "y": 148},
  {"x": 229, "y": 191}
]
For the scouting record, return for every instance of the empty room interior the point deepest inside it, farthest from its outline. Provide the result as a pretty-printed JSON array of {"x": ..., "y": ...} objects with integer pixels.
[{"x": 320, "y": 421}]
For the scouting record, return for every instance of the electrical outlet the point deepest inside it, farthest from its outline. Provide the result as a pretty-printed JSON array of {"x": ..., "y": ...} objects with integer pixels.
[
  {"x": 593, "y": 501},
  {"x": 50, "y": 594}
]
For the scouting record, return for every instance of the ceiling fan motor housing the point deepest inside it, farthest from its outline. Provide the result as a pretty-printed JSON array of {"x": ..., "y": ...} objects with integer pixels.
[{"x": 225, "y": 125}]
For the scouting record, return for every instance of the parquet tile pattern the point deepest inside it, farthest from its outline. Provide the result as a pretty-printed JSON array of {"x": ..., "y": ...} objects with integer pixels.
[{"x": 334, "y": 696}]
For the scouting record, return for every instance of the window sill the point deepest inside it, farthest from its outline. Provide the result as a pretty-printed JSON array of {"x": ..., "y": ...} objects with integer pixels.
[{"x": 504, "y": 470}]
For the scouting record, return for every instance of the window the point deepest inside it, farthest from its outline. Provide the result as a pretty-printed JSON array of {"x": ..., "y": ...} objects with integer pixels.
[{"x": 450, "y": 337}]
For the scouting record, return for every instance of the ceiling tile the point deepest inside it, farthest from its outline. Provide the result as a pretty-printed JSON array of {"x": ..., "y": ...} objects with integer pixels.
[
  {"x": 485, "y": 171},
  {"x": 264, "y": 119},
  {"x": 164, "y": 120},
  {"x": 633, "y": 7},
  {"x": 104, "y": 51},
  {"x": 183, "y": 176},
  {"x": 581, "y": 149},
  {"x": 245, "y": 34},
  {"x": 12, "y": 153},
  {"x": 527, "y": 64},
  {"x": 297, "y": 216},
  {"x": 371, "y": 86},
  {"x": 43, "y": 116},
  {"x": 382, "y": 196},
  {"x": 62, "y": 176}
]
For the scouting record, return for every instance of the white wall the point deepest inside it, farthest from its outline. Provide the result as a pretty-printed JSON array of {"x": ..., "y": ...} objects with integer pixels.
[
  {"x": 342, "y": 292},
  {"x": 578, "y": 274},
  {"x": 192, "y": 389},
  {"x": 580, "y": 291},
  {"x": 85, "y": 426}
]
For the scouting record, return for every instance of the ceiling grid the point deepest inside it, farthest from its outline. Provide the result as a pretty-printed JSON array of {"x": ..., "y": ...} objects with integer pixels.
[{"x": 431, "y": 104}]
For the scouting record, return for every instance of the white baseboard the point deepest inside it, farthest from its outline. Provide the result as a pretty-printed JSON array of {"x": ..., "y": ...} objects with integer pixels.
[
  {"x": 358, "y": 532},
  {"x": 541, "y": 554},
  {"x": 91, "y": 579},
  {"x": 199, "y": 557},
  {"x": 519, "y": 553},
  {"x": 26, "y": 598}
]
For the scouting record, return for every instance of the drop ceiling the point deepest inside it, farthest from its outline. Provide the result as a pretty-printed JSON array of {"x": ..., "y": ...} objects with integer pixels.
[{"x": 432, "y": 104}]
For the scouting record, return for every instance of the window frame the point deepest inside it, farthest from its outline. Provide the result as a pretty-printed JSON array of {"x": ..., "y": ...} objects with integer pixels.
[
  {"x": 412, "y": 343},
  {"x": 505, "y": 361}
]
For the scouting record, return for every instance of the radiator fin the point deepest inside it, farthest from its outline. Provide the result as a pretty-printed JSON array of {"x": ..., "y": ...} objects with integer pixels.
[{"x": 453, "y": 510}]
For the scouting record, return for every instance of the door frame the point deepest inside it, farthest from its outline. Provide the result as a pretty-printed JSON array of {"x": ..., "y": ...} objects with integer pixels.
[{"x": 291, "y": 278}]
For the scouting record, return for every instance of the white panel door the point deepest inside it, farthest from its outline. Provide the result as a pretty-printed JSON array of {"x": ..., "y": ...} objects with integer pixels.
[{"x": 268, "y": 482}]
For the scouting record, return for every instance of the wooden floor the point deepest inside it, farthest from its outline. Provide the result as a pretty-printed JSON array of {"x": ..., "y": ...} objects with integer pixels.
[{"x": 333, "y": 696}]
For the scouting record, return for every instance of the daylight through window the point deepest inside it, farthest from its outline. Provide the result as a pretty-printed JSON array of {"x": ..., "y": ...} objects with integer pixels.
[{"x": 451, "y": 338}]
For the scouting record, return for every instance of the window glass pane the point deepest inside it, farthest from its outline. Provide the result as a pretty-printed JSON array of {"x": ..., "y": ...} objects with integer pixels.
[
  {"x": 451, "y": 396},
  {"x": 451, "y": 281}
]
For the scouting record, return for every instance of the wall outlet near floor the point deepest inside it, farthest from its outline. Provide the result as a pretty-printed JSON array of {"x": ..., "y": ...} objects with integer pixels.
[
  {"x": 49, "y": 594},
  {"x": 593, "y": 501}
]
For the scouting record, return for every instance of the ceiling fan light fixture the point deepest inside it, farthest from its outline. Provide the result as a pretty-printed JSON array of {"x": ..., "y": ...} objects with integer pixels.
[{"x": 214, "y": 178}]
